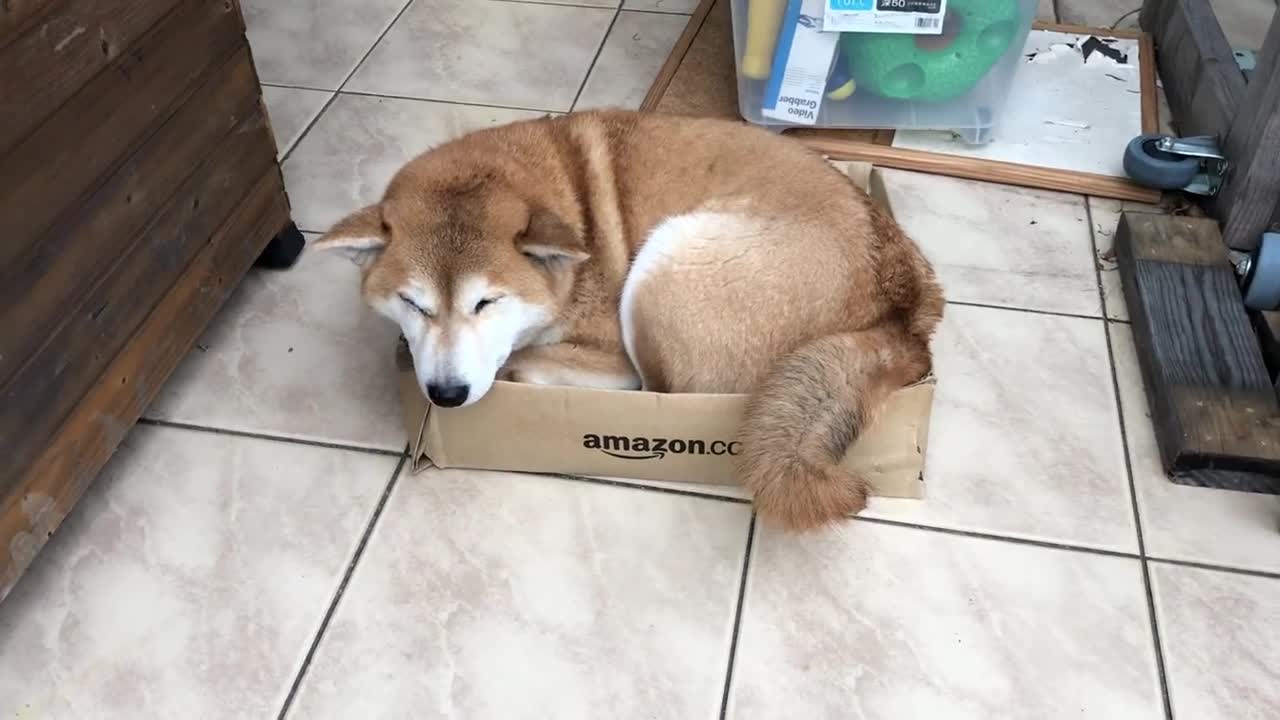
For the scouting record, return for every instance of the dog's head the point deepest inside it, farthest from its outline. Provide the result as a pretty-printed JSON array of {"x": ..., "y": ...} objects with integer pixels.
[{"x": 470, "y": 271}]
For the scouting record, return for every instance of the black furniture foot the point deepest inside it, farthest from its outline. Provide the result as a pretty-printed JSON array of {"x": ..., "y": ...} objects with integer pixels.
[{"x": 283, "y": 250}]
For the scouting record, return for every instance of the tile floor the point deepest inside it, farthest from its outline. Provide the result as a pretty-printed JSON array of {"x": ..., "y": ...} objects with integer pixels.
[{"x": 257, "y": 548}]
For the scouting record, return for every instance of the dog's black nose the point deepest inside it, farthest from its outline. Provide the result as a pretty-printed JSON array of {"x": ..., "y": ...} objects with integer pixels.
[{"x": 448, "y": 395}]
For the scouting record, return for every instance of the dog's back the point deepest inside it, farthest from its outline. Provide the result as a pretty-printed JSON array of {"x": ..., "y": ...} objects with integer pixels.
[{"x": 767, "y": 272}]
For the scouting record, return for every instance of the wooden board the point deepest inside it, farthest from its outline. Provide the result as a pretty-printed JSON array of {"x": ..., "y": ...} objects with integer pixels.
[
  {"x": 66, "y": 466},
  {"x": 985, "y": 170},
  {"x": 62, "y": 159},
  {"x": 82, "y": 342},
  {"x": 14, "y": 14},
  {"x": 48, "y": 284},
  {"x": 1250, "y": 198},
  {"x": 1201, "y": 79},
  {"x": 1211, "y": 399},
  {"x": 77, "y": 40},
  {"x": 699, "y": 78}
]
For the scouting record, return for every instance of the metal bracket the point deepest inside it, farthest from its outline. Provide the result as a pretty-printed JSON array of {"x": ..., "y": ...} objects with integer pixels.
[
  {"x": 1247, "y": 61},
  {"x": 1213, "y": 166}
]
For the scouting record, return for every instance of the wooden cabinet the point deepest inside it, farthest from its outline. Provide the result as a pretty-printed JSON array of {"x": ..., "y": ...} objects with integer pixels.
[{"x": 138, "y": 183}]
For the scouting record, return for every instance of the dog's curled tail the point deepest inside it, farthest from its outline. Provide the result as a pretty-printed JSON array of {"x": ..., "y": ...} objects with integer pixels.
[{"x": 804, "y": 415}]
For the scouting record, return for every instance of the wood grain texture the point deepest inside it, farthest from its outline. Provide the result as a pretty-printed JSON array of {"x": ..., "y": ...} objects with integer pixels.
[
  {"x": 66, "y": 465},
  {"x": 65, "y": 157},
  {"x": 979, "y": 169},
  {"x": 53, "y": 59},
  {"x": 1101, "y": 32},
  {"x": 48, "y": 283},
  {"x": 52, "y": 380},
  {"x": 1251, "y": 196},
  {"x": 16, "y": 14},
  {"x": 1201, "y": 79},
  {"x": 1211, "y": 399},
  {"x": 1150, "y": 96}
]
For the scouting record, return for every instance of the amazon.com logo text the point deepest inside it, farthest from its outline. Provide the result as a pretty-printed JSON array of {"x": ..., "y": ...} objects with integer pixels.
[{"x": 656, "y": 448}]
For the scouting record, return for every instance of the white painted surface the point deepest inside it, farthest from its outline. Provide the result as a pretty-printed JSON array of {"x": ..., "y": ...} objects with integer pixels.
[{"x": 1062, "y": 112}]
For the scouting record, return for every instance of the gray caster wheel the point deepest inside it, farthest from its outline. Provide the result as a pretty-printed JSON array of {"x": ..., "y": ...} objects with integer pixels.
[
  {"x": 1148, "y": 165},
  {"x": 1261, "y": 282}
]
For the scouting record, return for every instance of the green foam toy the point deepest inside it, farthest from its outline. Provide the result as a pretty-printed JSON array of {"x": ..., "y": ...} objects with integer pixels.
[{"x": 934, "y": 68}]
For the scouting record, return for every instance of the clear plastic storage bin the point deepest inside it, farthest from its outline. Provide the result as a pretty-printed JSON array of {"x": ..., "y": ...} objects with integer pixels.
[{"x": 957, "y": 80}]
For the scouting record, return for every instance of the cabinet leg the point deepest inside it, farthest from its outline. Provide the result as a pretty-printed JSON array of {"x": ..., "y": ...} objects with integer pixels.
[{"x": 283, "y": 250}]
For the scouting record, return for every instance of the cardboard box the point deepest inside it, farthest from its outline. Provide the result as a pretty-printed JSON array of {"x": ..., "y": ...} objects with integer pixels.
[{"x": 643, "y": 435}]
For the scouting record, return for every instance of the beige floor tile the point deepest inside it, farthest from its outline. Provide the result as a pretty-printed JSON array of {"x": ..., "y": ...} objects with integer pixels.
[
  {"x": 613, "y": 4},
  {"x": 871, "y": 621},
  {"x": 1025, "y": 438},
  {"x": 487, "y": 595},
  {"x": 314, "y": 43},
  {"x": 481, "y": 51},
  {"x": 633, "y": 53},
  {"x": 291, "y": 110},
  {"x": 1180, "y": 522},
  {"x": 360, "y": 142},
  {"x": 1218, "y": 631},
  {"x": 675, "y": 6},
  {"x": 1105, "y": 213},
  {"x": 188, "y": 582},
  {"x": 295, "y": 353},
  {"x": 1099, "y": 13},
  {"x": 999, "y": 245},
  {"x": 1244, "y": 22}
]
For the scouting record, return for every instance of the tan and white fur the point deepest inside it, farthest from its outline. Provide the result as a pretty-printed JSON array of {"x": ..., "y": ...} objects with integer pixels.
[{"x": 631, "y": 250}]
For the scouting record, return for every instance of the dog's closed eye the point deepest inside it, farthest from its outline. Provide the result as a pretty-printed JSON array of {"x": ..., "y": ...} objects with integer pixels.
[
  {"x": 413, "y": 304},
  {"x": 486, "y": 302}
]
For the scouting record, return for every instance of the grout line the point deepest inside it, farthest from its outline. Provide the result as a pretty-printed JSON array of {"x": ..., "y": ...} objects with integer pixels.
[
  {"x": 647, "y": 11},
  {"x": 1271, "y": 575},
  {"x": 325, "y": 108},
  {"x": 599, "y": 49},
  {"x": 273, "y": 438},
  {"x": 342, "y": 587},
  {"x": 979, "y": 535},
  {"x": 1033, "y": 311},
  {"x": 1128, "y": 470},
  {"x": 624, "y": 484},
  {"x": 464, "y": 103},
  {"x": 640, "y": 486},
  {"x": 628, "y": 485},
  {"x": 737, "y": 618}
]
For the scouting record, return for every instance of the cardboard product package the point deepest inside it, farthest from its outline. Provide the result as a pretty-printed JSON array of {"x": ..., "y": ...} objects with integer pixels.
[{"x": 683, "y": 438}]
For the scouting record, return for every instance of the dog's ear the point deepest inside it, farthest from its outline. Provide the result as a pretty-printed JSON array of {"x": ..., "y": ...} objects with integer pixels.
[
  {"x": 362, "y": 236},
  {"x": 550, "y": 240}
]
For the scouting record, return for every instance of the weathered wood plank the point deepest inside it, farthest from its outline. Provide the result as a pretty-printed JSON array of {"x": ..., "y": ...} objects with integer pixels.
[
  {"x": 1201, "y": 79},
  {"x": 1212, "y": 401},
  {"x": 15, "y": 14},
  {"x": 66, "y": 157},
  {"x": 53, "y": 59},
  {"x": 43, "y": 287},
  {"x": 49, "y": 384},
  {"x": 68, "y": 463},
  {"x": 1251, "y": 196}
]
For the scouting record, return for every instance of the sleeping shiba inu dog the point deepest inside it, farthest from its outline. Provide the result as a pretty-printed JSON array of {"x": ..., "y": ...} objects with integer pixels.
[{"x": 628, "y": 250}]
